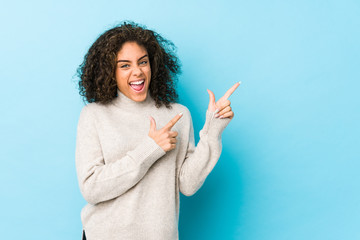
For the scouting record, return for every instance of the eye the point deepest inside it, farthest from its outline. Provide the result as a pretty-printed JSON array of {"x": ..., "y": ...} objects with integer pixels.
[
  {"x": 125, "y": 66},
  {"x": 143, "y": 62}
]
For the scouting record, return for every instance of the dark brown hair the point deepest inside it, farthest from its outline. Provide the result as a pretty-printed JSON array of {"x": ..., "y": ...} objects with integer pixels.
[{"x": 97, "y": 72}]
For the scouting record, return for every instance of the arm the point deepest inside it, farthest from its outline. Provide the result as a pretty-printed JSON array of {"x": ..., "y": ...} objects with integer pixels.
[
  {"x": 100, "y": 182},
  {"x": 200, "y": 160}
]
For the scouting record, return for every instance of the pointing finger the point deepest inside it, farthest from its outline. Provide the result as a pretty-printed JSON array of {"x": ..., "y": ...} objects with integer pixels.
[
  {"x": 211, "y": 97},
  {"x": 173, "y": 121},
  {"x": 231, "y": 90},
  {"x": 152, "y": 124}
]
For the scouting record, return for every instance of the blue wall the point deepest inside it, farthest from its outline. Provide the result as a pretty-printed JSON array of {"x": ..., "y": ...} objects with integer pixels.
[{"x": 291, "y": 156}]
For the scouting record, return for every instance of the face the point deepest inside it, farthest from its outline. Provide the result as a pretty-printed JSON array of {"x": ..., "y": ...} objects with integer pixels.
[{"x": 133, "y": 71}]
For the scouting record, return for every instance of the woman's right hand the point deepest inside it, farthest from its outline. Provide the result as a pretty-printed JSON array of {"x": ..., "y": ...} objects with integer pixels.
[{"x": 164, "y": 137}]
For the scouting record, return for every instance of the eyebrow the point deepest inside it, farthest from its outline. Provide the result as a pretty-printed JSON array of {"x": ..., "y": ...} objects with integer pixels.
[{"x": 130, "y": 61}]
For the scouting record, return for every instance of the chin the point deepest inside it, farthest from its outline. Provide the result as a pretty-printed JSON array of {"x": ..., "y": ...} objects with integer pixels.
[{"x": 139, "y": 98}]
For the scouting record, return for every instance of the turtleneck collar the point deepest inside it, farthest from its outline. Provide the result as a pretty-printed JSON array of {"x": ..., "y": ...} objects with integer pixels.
[{"x": 126, "y": 103}]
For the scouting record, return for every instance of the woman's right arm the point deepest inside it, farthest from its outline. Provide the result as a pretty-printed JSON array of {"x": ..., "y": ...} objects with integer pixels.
[{"x": 100, "y": 182}]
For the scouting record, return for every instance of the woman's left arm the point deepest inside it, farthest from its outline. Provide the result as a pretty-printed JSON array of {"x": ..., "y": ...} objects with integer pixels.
[{"x": 200, "y": 160}]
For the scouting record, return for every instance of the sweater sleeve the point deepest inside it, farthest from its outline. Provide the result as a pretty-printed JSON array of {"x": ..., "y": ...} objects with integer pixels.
[
  {"x": 100, "y": 182},
  {"x": 200, "y": 160}
]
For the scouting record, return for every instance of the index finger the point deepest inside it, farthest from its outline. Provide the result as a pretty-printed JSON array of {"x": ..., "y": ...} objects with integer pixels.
[
  {"x": 173, "y": 121},
  {"x": 231, "y": 90}
]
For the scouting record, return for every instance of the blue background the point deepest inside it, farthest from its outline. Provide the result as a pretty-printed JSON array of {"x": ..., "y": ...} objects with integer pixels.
[{"x": 291, "y": 156}]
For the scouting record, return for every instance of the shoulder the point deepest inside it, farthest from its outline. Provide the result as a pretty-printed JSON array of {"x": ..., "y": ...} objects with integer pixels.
[
  {"x": 91, "y": 111},
  {"x": 88, "y": 110},
  {"x": 94, "y": 108}
]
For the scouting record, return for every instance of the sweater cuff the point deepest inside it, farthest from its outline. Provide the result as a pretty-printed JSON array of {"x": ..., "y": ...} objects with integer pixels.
[
  {"x": 214, "y": 126},
  {"x": 147, "y": 152}
]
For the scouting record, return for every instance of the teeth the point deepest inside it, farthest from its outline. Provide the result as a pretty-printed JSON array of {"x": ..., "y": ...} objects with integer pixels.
[{"x": 138, "y": 82}]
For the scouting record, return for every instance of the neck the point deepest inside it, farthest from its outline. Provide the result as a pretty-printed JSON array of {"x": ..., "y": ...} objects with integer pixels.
[{"x": 126, "y": 103}]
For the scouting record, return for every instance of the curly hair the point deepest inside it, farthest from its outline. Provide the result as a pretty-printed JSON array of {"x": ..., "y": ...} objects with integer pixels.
[{"x": 96, "y": 74}]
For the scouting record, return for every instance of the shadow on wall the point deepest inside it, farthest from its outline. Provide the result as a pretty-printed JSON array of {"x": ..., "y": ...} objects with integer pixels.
[{"x": 214, "y": 212}]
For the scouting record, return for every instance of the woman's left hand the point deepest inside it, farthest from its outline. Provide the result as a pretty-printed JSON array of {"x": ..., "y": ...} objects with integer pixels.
[{"x": 222, "y": 106}]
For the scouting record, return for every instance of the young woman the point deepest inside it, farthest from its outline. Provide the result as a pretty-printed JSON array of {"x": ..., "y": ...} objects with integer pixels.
[{"x": 135, "y": 148}]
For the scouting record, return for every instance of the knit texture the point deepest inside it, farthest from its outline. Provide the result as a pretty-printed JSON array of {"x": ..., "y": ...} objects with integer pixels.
[{"x": 130, "y": 183}]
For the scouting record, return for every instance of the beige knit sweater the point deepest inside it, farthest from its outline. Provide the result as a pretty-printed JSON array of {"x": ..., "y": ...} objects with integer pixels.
[{"x": 131, "y": 185}]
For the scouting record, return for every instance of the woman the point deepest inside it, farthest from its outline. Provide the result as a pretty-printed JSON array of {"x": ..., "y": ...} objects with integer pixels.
[{"x": 135, "y": 148}]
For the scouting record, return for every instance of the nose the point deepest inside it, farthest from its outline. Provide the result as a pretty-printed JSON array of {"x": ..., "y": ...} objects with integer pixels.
[{"x": 137, "y": 71}]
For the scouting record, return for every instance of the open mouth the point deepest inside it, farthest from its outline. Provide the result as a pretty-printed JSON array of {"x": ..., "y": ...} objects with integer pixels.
[{"x": 137, "y": 86}]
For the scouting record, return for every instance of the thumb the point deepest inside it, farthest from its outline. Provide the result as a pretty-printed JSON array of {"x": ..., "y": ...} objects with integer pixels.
[
  {"x": 211, "y": 100},
  {"x": 152, "y": 124}
]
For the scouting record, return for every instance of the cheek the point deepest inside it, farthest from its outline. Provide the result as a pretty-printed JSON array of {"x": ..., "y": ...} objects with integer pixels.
[
  {"x": 148, "y": 72},
  {"x": 121, "y": 78}
]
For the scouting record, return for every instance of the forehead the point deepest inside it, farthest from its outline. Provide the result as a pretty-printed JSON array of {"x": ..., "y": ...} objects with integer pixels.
[{"x": 131, "y": 50}]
